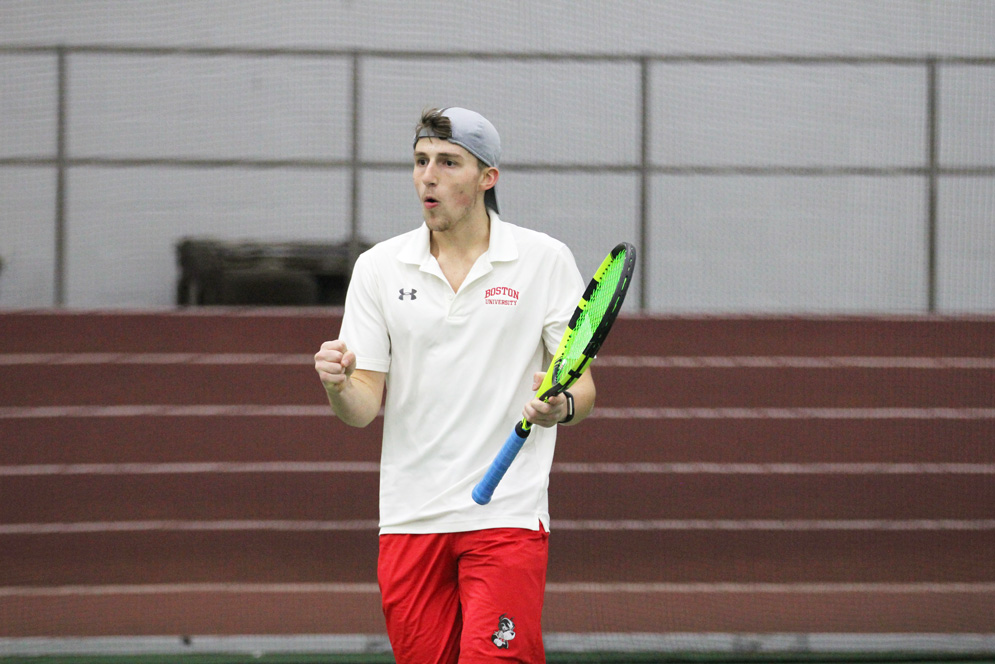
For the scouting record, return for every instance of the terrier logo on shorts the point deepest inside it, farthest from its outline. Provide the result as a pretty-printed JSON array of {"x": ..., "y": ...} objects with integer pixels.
[{"x": 505, "y": 632}]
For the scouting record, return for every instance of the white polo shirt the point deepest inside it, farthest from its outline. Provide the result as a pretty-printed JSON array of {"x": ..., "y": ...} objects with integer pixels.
[{"x": 459, "y": 370}]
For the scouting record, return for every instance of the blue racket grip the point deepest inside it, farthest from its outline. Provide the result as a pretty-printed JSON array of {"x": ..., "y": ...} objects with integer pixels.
[{"x": 485, "y": 488}]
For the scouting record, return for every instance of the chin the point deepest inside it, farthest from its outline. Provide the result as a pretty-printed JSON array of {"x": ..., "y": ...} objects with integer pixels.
[
  {"x": 435, "y": 221},
  {"x": 436, "y": 224}
]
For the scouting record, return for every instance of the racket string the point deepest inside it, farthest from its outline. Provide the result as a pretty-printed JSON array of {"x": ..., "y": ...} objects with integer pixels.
[{"x": 590, "y": 318}]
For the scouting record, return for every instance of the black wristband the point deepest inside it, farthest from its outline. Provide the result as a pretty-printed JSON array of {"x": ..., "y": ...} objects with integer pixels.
[{"x": 570, "y": 407}]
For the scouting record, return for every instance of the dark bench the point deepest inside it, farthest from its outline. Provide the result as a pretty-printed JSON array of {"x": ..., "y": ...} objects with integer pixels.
[{"x": 227, "y": 272}]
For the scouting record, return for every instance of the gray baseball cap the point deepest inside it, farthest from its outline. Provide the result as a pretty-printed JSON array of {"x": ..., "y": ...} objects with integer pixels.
[{"x": 473, "y": 132}]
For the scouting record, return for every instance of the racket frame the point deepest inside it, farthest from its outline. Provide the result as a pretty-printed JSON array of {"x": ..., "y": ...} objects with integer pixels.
[{"x": 549, "y": 388}]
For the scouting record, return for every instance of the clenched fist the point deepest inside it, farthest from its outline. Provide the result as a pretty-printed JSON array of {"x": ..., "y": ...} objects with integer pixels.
[{"x": 334, "y": 364}]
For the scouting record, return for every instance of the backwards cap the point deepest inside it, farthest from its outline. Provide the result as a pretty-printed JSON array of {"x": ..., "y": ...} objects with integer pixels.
[{"x": 473, "y": 132}]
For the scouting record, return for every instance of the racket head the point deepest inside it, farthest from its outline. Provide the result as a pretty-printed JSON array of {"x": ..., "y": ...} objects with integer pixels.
[{"x": 591, "y": 321}]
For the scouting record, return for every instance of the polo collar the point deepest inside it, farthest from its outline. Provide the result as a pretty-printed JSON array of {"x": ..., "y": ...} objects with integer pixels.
[{"x": 502, "y": 246}]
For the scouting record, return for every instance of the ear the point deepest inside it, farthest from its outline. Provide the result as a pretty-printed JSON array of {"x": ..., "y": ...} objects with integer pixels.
[{"x": 489, "y": 178}]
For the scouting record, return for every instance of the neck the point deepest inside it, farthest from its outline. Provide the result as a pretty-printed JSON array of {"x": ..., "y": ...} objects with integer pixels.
[
  {"x": 467, "y": 239},
  {"x": 457, "y": 250}
]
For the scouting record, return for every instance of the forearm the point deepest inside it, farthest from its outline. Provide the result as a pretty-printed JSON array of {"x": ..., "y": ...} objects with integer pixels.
[
  {"x": 584, "y": 394},
  {"x": 356, "y": 401}
]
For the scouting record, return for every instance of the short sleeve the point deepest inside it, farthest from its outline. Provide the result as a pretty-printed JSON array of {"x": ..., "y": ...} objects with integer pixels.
[{"x": 364, "y": 327}]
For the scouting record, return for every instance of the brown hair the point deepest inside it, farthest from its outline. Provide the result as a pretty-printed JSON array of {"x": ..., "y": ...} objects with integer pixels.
[{"x": 433, "y": 120}]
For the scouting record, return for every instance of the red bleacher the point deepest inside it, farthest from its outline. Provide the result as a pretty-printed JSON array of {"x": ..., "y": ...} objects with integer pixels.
[{"x": 762, "y": 475}]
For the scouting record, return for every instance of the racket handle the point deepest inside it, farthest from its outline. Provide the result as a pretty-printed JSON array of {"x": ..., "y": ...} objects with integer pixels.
[{"x": 485, "y": 488}]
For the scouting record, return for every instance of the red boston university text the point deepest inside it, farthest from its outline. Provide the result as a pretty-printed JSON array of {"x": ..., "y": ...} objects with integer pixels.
[{"x": 501, "y": 290}]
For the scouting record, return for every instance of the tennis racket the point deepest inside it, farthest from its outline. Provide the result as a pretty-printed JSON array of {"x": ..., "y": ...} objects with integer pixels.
[{"x": 586, "y": 331}]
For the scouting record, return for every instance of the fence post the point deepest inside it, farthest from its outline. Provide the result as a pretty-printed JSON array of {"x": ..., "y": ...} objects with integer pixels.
[
  {"x": 60, "y": 179},
  {"x": 932, "y": 167}
]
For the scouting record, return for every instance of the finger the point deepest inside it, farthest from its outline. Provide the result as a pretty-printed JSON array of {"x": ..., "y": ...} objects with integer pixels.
[
  {"x": 327, "y": 359},
  {"x": 537, "y": 379},
  {"x": 332, "y": 350},
  {"x": 538, "y": 408},
  {"x": 333, "y": 376},
  {"x": 540, "y": 414},
  {"x": 552, "y": 410},
  {"x": 335, "y": 345}
]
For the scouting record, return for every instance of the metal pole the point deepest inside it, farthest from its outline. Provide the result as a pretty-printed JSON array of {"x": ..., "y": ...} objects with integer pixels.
[
  {"x": 60, "y": 182},
  {"x": 354, "y": 166},
  {"x": 932, "y": 152},
  {"x": 644, "y": 159}
]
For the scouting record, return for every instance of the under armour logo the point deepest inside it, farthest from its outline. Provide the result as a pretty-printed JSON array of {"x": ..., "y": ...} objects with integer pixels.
[{"x": 410, "y": 293}]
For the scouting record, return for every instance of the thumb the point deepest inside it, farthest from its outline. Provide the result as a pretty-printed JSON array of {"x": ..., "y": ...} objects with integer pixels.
[{"x": 349, "y": 362}]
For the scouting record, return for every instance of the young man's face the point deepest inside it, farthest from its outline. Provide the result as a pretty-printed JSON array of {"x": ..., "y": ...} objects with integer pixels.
[{"x": 449, "y": 182}]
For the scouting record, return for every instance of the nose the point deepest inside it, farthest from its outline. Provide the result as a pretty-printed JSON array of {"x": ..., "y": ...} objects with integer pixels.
[{"x": 428, "y": 172}]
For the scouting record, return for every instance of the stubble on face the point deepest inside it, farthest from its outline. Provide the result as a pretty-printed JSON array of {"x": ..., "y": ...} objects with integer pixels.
[{"x": 447, "y": 180}]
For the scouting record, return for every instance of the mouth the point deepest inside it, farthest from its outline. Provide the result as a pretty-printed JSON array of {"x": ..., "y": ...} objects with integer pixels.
[{"x": 430, "y": 202}]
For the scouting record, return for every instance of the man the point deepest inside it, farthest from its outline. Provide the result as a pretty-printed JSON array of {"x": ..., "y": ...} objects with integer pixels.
[{"x": 458, "y": 319}]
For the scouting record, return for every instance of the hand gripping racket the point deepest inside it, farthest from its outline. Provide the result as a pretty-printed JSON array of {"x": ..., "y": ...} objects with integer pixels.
[{"x": 586, "y": 331}]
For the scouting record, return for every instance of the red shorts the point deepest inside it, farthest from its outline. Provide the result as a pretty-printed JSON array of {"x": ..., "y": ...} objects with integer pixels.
[{"x": 464, "y": 597}]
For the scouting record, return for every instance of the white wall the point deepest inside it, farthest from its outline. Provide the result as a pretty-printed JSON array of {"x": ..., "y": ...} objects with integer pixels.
[{"x": 725, "y": 233}]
